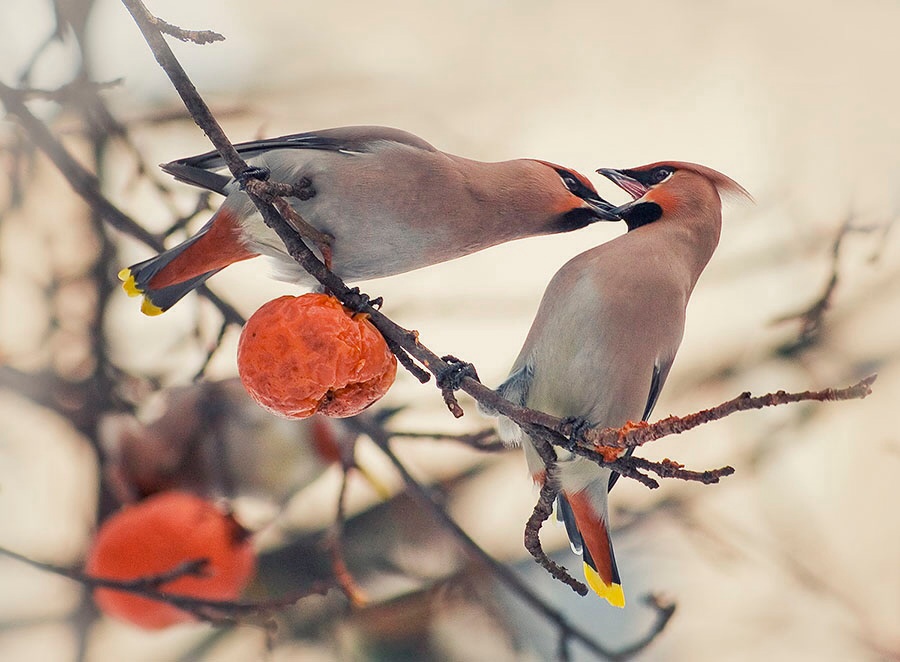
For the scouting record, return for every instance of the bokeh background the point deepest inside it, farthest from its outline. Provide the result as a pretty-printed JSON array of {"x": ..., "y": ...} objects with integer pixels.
[{"x": 796, "y": 557}]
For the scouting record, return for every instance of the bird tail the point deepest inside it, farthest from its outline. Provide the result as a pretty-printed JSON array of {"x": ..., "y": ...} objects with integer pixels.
[
  {"x": 584, "y": 515},
  {"x": 163, "y": 280}
]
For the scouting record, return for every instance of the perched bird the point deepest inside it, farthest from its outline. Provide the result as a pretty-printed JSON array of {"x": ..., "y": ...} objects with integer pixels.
[
  {"x": 211, "y": 439},
  {"x": 606, "y": 333},
  {"x": 388, "y": 200}
]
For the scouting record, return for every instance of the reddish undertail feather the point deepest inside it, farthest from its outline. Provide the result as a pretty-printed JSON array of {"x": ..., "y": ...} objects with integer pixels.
[
  {"x": 163, "y": 280},
  {"x": 220, "y": 246},
  {"x": 599, "y": 562}
]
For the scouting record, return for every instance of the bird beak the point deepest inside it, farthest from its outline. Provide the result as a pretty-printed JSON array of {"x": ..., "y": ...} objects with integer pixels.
[
  {"x": 627, "y": 183},
  {"x": 604, "y": 210}
]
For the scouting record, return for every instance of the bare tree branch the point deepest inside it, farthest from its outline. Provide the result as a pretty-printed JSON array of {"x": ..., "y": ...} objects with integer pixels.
[
  {"x": 640, "y": 435},
  {"x": 509, "y": 578}
]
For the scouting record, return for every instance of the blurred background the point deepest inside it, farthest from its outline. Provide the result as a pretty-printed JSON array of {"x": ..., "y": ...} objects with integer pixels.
[{"x": 795, "y": 557}]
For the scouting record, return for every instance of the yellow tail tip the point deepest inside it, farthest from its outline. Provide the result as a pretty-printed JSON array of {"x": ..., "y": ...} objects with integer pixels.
[
  {"x": 149, "y": 308},
  {"x": 612, "y": 593},
  {"x": 128, "y": 284}
]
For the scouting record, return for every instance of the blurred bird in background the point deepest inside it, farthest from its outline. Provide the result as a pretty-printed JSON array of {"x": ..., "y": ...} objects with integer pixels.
[{"x": 211, "y": 439}]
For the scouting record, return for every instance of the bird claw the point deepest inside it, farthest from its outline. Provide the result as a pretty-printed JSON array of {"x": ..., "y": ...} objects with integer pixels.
[
  {"x": 579, "y": 427},
  {"x": 450, "y": 378},
  {"x": 253, "y": 172},
  {"x": 360, "y": 301}
]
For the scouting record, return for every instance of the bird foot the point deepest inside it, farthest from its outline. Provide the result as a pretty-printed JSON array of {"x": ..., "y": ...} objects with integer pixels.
[
  {"x": 359, "y": 301},
  {"x": 450, "y": 378},
  {"x": 579, "y": 427},
  {"x": 253, "y": 173}
]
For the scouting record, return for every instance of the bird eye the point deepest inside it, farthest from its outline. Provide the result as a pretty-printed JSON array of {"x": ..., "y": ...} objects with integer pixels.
[
  {"x": 571, "y": 183},
  {"x": 661, "y": 174}
]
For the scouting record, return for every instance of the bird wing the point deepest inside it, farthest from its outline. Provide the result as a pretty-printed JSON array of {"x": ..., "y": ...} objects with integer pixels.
[
  {"x": 198, "y": 170},
  {"x": 660, "y": 372}
]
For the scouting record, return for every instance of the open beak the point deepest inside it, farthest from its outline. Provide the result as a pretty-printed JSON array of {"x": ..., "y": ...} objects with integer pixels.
[
  {"x": 627, "y": 183},
  {"x": 624, "y": 181}
]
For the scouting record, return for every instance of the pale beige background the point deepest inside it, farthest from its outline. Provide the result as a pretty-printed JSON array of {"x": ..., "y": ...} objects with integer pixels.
[{"x": 797, "y": 557}]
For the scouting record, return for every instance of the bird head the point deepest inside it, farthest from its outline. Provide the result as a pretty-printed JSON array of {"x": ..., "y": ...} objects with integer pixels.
[
  {"x": 574, "y": 199},
  {"x": 671, "y": 188}
]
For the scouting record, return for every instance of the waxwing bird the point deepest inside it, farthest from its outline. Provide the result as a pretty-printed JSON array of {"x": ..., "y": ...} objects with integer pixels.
[
  {"x": 210, "y": 438},
  {"x": 606, "y": 333},
  {"x": 389, "y": 201}
]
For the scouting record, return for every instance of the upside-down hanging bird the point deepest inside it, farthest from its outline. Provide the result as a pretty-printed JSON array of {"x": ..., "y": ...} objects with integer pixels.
[
  {"x": 388, "y": 201},
  {"x": 605, "y": 336}
]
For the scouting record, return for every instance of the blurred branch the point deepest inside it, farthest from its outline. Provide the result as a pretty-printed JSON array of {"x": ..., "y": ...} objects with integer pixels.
[
  {"x": 509, "y": 578},
  {"x": 68, "y": 92},
  {"x": 812, "y": 319},
  {"x": 344, "y": 579},
  {"x": 47, "y": 389},
  {"x": 87, "y": 186},
  {"x": 213, "y": 611},
  {"x": 485, "y": 440},
  {"x": 85, "y": 183}
]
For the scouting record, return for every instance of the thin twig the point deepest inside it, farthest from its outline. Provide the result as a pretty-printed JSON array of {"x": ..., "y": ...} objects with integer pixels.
[
  {"x": 342, "y": 575},
  {"x": 199, "y": 37},
  {"x": 638, "y": 436},
  {"x": 485, "y": 440}
]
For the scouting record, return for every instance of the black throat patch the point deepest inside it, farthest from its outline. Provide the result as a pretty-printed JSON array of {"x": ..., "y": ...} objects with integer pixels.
[
  {"x": 642, "y": 214},
  {"x": 574, "y": 219}
]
